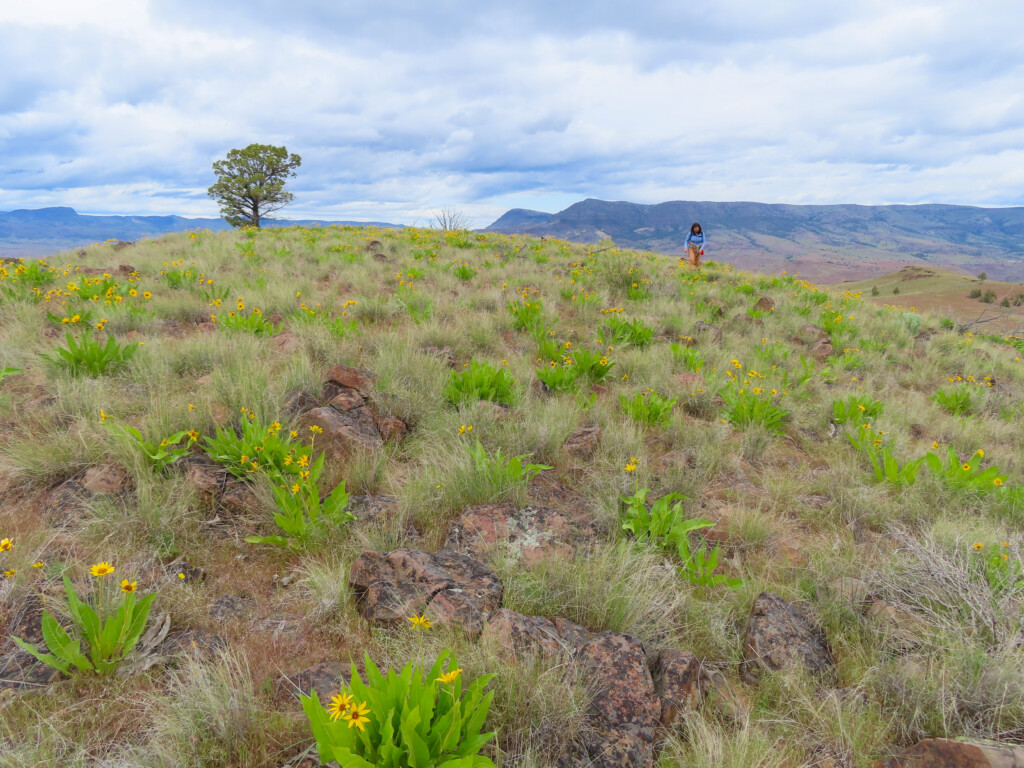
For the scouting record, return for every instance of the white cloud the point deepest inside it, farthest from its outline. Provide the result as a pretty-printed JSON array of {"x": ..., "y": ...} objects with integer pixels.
[{"x": 115, "y": 106}]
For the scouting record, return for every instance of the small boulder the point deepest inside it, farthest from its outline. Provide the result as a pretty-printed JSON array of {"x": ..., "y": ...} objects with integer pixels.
[
  {"x": 392, "y": 429},
  {"x": 810, "y": 334},
  {"x": 343, "y": 432},
  {"x": 780, "y": 635},
  {"x": 677, "y": 677},
  {"x": 947, "y": 753},
  {"x": 347, "y": 377},
  {"x": 765, "y": 304},
  {"x": 822, "y": 350},
  {"x": 530, "y": 534},
  {"x": 583, "y": 442},
  {"x": 105, "y": 480},
  {"x": 903, "y": 630},
  {"x": 848, "y": 591},
  {"x": 707, "y": 332},
  {"x": 324, "y": 678},
  {"x": 298, "y": 402}
]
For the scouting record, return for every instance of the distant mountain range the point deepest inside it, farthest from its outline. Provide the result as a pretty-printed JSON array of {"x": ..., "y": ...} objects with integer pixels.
[
  {"x": 44, "y": 231},
  {"x": 827, "y": 243}
]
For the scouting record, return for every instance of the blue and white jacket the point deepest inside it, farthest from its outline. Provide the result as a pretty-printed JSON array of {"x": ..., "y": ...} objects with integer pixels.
[{"x": 692, "y": 239}]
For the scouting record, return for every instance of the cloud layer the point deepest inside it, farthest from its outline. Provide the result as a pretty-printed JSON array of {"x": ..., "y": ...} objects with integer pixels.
[{"x": 398, "y": 108}]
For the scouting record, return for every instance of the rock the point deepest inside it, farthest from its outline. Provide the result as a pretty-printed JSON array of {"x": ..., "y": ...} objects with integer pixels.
[
  {"x": 822, "y": 350},
  {"x": 583, "y": 442},
  {"x": 186, "y": 573},
  {"x": 810, "y": 334},
  {"x": 381, "y": 258},
  {"x": 231, "y": 607},
  {"x": 947, "y": 753},
  {"x": 325, "y": 678},
  {"x": 19, "y": 669},
  {"x": 298, "y": 402},
  {"x": 204, "y": 645},
  {"x": 449, "y": 586},
  {"x": 524, "y": 635},
  {"x": 373, "y": 509},
  {"x": 625, "y": 709},
  {"x": 219, "y": 488},
  {"x": 346, "y": 377},
  {"x": 793, "y": 556},
  {"x": 780, "y": 635},
  {"x": 765, "y": 304},
  {"x": 392, "y": 429},
  {"x": 122, "y": 244},
  {"x": 374, "y": 245},
  {"x": 530, "y": 534},
  {"x": 707, "y": 332},
  {"x": 206, "y": 327},
  {"x": 677, "y": 678},
  {"x": 344, "y": 431},
  {"x": 903, "y": 630}
]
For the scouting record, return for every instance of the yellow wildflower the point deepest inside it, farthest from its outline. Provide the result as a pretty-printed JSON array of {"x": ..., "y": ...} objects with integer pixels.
[{"x": 101, "y": 569}]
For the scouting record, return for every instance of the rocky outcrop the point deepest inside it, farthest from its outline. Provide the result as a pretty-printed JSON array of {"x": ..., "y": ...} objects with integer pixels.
[{"x": 780, "y": 635}]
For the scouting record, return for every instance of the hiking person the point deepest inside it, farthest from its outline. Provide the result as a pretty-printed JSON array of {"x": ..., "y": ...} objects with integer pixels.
[{"x": 695, "y": 244}]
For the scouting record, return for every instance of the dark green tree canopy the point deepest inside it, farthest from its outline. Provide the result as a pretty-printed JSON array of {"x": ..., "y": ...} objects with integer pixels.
[{"x": 251, "y": 183}]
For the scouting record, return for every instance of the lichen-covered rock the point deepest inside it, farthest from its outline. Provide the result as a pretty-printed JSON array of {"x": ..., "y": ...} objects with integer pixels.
[
  {"x": 529, "y": 534},
  {"x": 946, "y": 753},
  {"x": 677, "y": 683},
  {"x": 625, "y": 709},
  {"x": 765, "y": 304},
  {"x": 523, "y": 635},
  {"x": 780, "y": 635},
  {"x": 448, "y": 586},
  {"x": 822, "y": 350},
  {"x": 345, "y": 377}
]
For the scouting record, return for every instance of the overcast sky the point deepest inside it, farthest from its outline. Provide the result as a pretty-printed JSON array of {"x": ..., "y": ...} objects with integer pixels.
[{"x": 399, "y": 107}]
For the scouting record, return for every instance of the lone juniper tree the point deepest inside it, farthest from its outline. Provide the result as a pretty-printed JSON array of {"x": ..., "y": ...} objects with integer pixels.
[{"x": 250, "y": 183}]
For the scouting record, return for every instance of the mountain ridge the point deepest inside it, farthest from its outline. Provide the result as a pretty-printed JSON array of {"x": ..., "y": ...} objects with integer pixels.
[{"x": 843, "y": 241}]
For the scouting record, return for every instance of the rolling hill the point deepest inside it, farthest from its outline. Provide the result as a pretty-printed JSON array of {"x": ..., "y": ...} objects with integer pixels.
[
  {"x": 42, "y": 231},
  {"x": 825, "y": 243}
]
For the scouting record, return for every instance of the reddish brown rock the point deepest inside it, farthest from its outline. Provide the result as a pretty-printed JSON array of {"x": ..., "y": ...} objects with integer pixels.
[
  {"x": 215, "y": 486},
  {"x": 779, "y": 635},
  {"x": 343, "y": 432},
  {"x": 764, "y": 304},
  {"x": 707, "y": 333},
  {"x": 677, "y": 682},
  {"x": 529, "y": 534},
  {"x": 810, "y": 334},
  {"x": 946, "y": 753},
  {"x": 206, "y": 327},
  {"x": 524, "y": 635},
  {"x": 822, "y": 350},
  {"x": 106, "y": 480},
  {"x": 392, "y": 429},
  {"x": 583, "y": 442},
  {"x": 448, "y": 586},
  {"x": 346, "y": 377},
  {"x": 286, "y": 343},
  {"x": 625, "y": 709}
]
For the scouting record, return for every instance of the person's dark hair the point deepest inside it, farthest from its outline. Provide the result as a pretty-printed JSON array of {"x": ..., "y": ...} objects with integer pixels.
[{"x": 695, "y": 228}]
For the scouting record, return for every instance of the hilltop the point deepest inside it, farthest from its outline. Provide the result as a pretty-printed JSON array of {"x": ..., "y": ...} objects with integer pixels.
[
  {"x": 31, "y": 233},
  {"x": 825, "y": 243},
  {"x": 692, "y": 517}
]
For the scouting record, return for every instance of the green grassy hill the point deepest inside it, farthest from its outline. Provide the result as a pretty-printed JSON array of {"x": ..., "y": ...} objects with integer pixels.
[{"x": 699, "y": 517}]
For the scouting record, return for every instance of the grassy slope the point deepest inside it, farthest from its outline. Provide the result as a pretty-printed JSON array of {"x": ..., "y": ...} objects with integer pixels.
[
  {"x": 795, "y": 511},
  {"x": 938, "y": 291}
]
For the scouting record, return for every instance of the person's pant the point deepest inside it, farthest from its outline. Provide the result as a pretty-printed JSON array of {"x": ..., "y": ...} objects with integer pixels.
[{"x": 694, "y": 252}]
